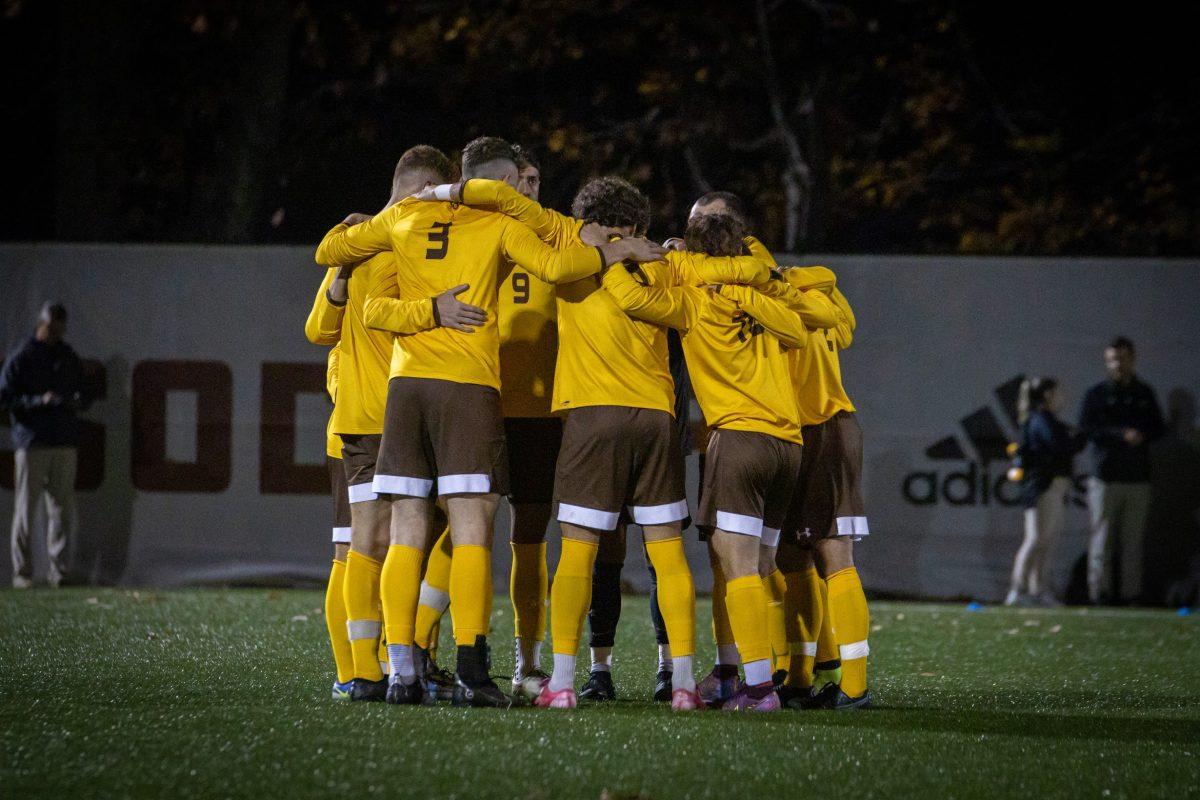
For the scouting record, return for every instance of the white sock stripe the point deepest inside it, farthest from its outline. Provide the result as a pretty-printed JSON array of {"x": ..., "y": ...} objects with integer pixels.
[
  {"x": 361, "y": 493},
  {"x": 588, "y": 517},
  {"x": 854, "y": 650},
  {"x": 466, "y": 483},
  {"x": 442, "y": 191},
  {"x": 400, "y": 656},
  {"x": 400, "y": 484},
  {"x": 659, "y": 515},
  {"x": 433, "y": 597},
  {"x": 808, "y": 649},
  {"x": 758, "y": 672},
  {"x": 341, "y": 535},
  {"x": 852, "y": 526},
  {"x": 770, "y": 536},
  {"x": 357, "y": 629},
  {"x": 739, "y": 523}
]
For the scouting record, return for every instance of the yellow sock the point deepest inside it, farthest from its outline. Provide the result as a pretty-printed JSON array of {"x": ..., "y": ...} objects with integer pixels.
[
  {"x": 435, "y": 591},
  {"x": 851, "y": 623},
  {"x": 471, "y": 592},
  {"x": 364, "y": 622},
  {"x": 571, "y": 594},
  {"x": 335, "y": 622},
  {"x": 746, "y": 601},
  {"x": 827, "y": 649},
  {"x": 802, "y": 611},
  {"x": 527, "y": 587},
  {"x": 400, "y": 585},
  {"x": 676, "y": 594},
  {"x": 775, "y": 587},
  {"x": 722, "y": 632}
]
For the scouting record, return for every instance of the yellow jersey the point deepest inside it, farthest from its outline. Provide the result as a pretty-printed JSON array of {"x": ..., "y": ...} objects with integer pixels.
[
  {"x": 324, "y": 326},
  {"x": 438, "y": 245},
  {"x": 817, "y": 369},
  {"x": 333, "y": 442},
  {"x": 605, "y": 357},
  {"x": 736, "y": 341}
]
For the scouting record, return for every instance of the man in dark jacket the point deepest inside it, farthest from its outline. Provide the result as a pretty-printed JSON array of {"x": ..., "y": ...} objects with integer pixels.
[
  {"x": 41, "y": 386},
  {"x": 1120, "y": 417}
]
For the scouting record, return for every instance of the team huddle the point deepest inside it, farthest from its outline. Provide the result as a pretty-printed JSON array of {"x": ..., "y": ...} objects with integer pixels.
[{"x": 485, "y": 346}]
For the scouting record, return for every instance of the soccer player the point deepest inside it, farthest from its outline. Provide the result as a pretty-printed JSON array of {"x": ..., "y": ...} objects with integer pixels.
[
  {"x": 619, "y": 455},
  {"x": 735, "y": 340},
  {"x": 443, "y": 430},
  {"x": 323, "y": 327}
]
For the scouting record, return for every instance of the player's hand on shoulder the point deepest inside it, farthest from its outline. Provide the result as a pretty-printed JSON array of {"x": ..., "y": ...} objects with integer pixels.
[
  {"x": 455, "y": 314},
  {"x": 356, "y": 219},
  {"x": 676, "y": 244},
  {"x": 641, "y": 249}
]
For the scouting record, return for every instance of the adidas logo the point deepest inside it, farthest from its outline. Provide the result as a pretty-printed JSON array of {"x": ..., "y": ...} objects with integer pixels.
[{"x": 983, "y": 481}]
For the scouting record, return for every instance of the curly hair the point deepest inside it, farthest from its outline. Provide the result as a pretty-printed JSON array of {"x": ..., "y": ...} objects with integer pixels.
[
  {"x": 483, "y": 151},
  {"x": 612, "y": 202},
  {"x": 715, "y": 235}
]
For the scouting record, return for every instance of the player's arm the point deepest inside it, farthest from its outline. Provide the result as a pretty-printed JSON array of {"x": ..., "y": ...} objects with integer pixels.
[
  {"x": 759, "y": 251},
  {"x": 491, "y": 195},
  {"x": 844, "y": 330},
  {"x": 324, "y": 323},
  {"x": 525, "y": 249},
  {"x": 815, "y": 309},
  {"x": 820, "y": 279},
  {"x": 331, "y": 370},
  {"x": 384, "y": 310},
  {"x": 773, "y": 315},
  {"x": 705, "y": 270},
  {"x": 348, "y": 243},
  {"x": 673, "y": 307}
]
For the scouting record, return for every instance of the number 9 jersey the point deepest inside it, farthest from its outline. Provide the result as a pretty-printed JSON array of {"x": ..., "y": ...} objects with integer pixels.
[{"x": 528, "y": 322}]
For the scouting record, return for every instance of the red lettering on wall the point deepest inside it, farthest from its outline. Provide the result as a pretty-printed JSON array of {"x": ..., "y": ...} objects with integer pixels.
[{"x": 278, "y": 471}]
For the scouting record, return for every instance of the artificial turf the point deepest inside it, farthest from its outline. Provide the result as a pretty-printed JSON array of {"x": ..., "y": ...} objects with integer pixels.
[{"x": 225, "y": 693}]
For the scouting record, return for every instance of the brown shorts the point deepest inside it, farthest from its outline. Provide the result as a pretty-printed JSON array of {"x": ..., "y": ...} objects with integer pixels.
[
  {"x": 614, "y": 459},
  {"x": 747, "y": 483},
  {"x": 828, "y": 498},
  {"x": 341, "y": 502},
  {"x": 360, "y": 453},
  {"x": 536, "y": 442},
  {"x": 444, "y": 435}
]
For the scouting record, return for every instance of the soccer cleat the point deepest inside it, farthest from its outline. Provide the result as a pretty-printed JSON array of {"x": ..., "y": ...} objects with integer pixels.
[
  {"x": 791, "y": 696},
  {"x": 529, "y": 685},
  {"x": 686, "y": 700},
  {"x": 814, "y": 698},
  {"x": 482, "y": 695},
  {"x": 662, "y": 685},
  {"x": 439, "y": 683},
  {"x": 564, "y": 698},
  {"x": 407, "y": 694},
  {"x": 742, "y": 701},
  {"x": 840, "y": 701},
  {"x": 473, "y": 686},
  {"x": 599, "y": 688},
  {"x": 778, "y": 677},
  {"x": 823, "y": 678},
  {"x": 363, "y": 690},
  {"x": 715, "y": 690},
  {"x": 341, "y": 691}
]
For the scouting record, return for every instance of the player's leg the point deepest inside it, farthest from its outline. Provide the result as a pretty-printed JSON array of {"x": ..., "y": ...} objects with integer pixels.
[
  {"x": 802, "y": 611},
  {"x": 662, "y": 677},
  {"x": 335, "y": 598},
  {"x": 776, "y": 588},
  {"x": 604, "y": 614},
  {"x": 570, "y": 597},
  {"x": 746, "y": 602},
  {"x": 434, "y": 597}
]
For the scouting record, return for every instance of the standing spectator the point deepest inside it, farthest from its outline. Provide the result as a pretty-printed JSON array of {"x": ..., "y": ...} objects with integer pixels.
[
  {"x": 42, "y": 388},
  {"x": 1120, "y": 417},
  {"x": 1047, "y": 452}
]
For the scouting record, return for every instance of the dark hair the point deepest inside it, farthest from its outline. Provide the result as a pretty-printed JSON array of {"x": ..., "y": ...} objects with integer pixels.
[
  {"x": 526, "y": 158},
  {"x": 612, "y": 202},
  {"x": 1122, "y": 343},
  {"x": 715, "y": 235},
  {"x": 483, "y": 151},
  {"x": 423, "y": 158},
  {"x": 734, "y": 203},
  {"x": 53, "y": 311},
  {"x": 1032, "y": 396}
]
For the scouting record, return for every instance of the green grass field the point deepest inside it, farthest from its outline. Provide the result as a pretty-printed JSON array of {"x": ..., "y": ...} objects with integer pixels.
[{"x": 226, "y": 693}]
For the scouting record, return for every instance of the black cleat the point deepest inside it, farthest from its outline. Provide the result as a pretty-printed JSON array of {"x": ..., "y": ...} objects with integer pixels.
[
  {"x": 843, "y": 702},
  {"x": 778, "y": 677},
  {"x": 407, "y": 694},
  {"x": 599, "y": 687},
  {"x": 363, "y": 690},
  {"x": 473, "y": 686},
  {"x": 793, "y": 696},
  {"x": 663, "y": 685}
]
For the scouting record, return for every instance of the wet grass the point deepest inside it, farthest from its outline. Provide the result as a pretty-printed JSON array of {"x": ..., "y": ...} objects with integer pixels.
[{"x": 226, "y": 694}]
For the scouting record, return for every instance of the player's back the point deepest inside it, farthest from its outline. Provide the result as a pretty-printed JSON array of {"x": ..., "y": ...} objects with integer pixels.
[
  {"x": 366, "y": 353},
  {"x": 816, "y": 369},
  {"x": 740, "y": 371},
  {"x": 606, "y": 357}
]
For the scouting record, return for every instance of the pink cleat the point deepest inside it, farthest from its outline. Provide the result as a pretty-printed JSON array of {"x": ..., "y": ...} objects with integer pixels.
[
  {"x": 686, "y": 700},
  {"x": 715, "y": 690},
  {"x": 742, "y": 701},
  {"x": 564, "y": 698}
]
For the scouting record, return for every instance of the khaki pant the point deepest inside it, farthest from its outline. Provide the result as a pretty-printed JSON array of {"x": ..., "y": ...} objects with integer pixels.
[
  {"x": 1043, "y": 527},
  {"x": 1118, "y": 513},
  {"x": 49, "y": 472}
]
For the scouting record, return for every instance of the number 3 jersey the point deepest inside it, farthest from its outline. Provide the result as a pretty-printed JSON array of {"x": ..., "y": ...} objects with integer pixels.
[{"x": 439, "y": 245}]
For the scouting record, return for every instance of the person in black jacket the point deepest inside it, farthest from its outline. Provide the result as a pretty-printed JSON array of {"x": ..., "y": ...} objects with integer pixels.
[
  {"x": 41, "y": 386},
  {"x": 1121, "y": 417},
  {"x": 1047, "y": 453}
]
